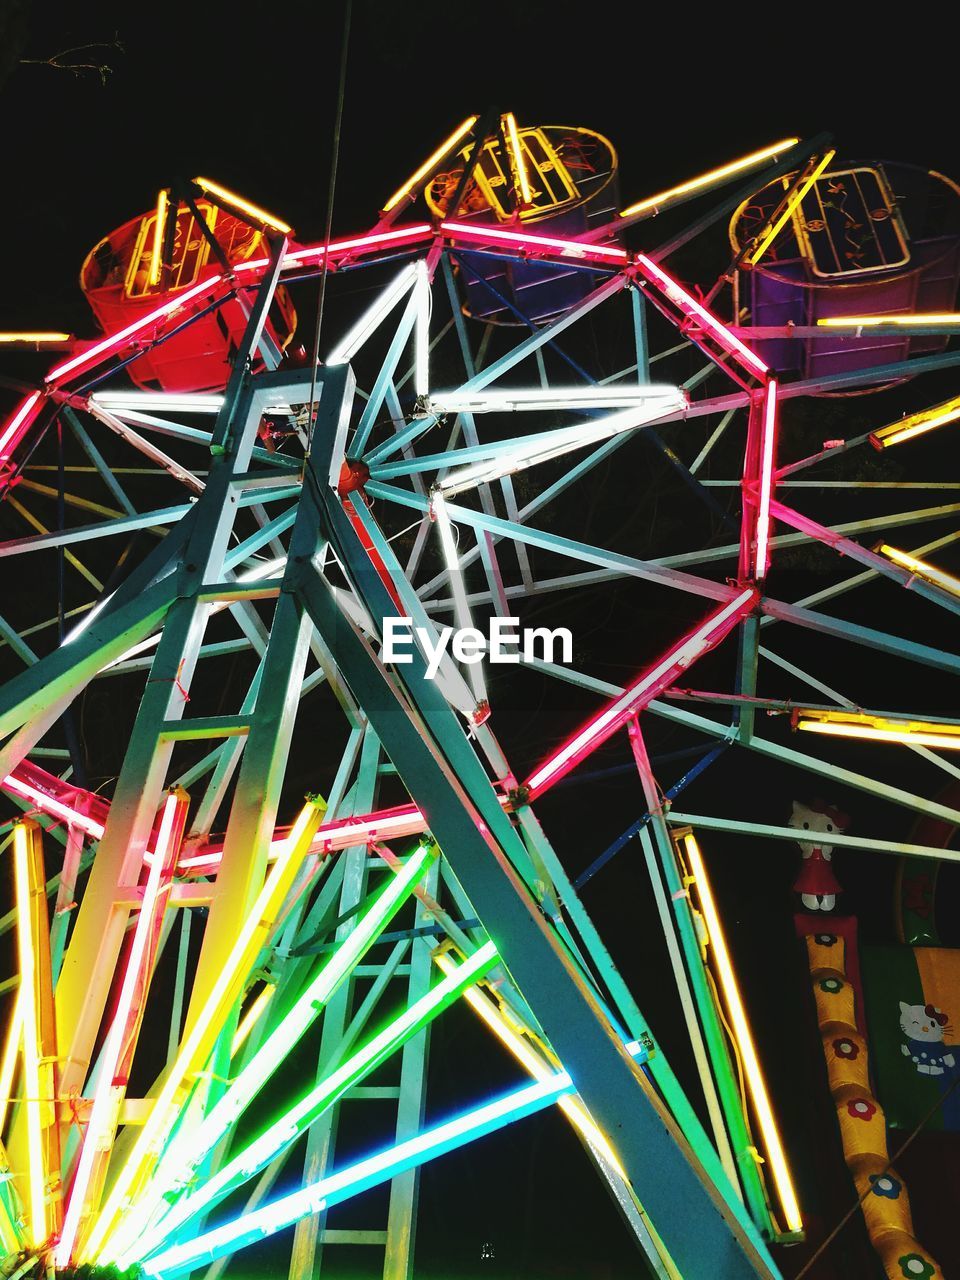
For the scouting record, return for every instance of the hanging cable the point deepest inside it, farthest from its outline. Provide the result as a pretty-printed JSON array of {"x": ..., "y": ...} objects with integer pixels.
[{"x": 328, "y": 230}]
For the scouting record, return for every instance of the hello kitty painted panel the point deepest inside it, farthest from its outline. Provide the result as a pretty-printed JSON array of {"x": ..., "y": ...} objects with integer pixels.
[
  {"x": 925, "y": 1029},
  {"x": 912, "y": 999}
]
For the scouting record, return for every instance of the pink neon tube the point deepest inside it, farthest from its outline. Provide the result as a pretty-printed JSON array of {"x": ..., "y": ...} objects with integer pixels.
[
  {"x": 340, "y": 248},
  {"x": 23, "y": 416},
  {"x": 547, "y": 244},
  {"x": 116, "y": 339},
  {"x": 107, "y": 1088},
  {"x": 767, "y": 461},
  {"x": 36, "y": 785},
  {"x": 689, "y": 305},
  {"x": 384, "y": 824},
  {"x": 643, "y": 691},
  {"x": 52, "y": 806}
]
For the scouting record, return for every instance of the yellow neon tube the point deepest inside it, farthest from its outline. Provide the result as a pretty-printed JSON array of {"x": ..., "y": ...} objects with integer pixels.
[
  {"x": 572, "y": 1107},
  {"x": 516, "y": 153},
  {"x": 10, "y": 1234},
  {"x": 11, "y": 1051},
  {"x": 238, "y": 202},
  {"x": 791, "y": 204},
  {"x": 250, "y": 1019},
  {"x": 869, "y": 322},
  {"x": 705, "y": 180},
  {"x": 159, "y": 226},
  {"x": 196, "y": 1047},
  {"x": 33, "y": 337},
  {"x": 431, "y": 162},
  {"x": 745, "y": 1045},
  {"x": 916, "y": 424},
  {"x": 37, "y": 1210},
  {"x": 930, "y": 573},
  {"x": 856, "y": 724}
]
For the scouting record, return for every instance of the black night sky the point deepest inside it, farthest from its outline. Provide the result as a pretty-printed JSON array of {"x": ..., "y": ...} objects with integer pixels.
[{"x": 248, "y": 97}]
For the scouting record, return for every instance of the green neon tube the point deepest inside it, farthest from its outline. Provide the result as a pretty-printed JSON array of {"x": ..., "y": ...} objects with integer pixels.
[
  {"x": 188, "y": 1151},
  {"x": 386, "y": 1164},
  {"x": 263, "y": 1149}
]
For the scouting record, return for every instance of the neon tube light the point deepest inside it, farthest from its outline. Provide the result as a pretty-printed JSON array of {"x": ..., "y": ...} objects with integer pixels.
[
  {"x": 258, "y": 1153},
  {"x": 426, "y": 169},
  {"x": 689, "y": 305},
  {"x": 55, "y": 808},
  {"x": 421, "y": 332},
  {"x": 374, "y": 316},
  {"x": 713, "y": 178},
  {"x": 179, "y": 1163},
  {"x": 384, "y": 824},
  {"x": 516, "y": 155},
  {"x": 250, "y": 1019},
  {"x": 135, "y": 979},
  {"x": 541, "y": 1071},
  {"x": 32, "y": 1103},
  {"x": 543, "y": 244},
  {"x": 34, "y": 337},
  {"x": 530, "y": 399},
  {"x": 916, "y": 424},
  {"x": 365, "y": 1173},
  {"x": 546, "y": 445},
  {"x": 920, "y": 569},
  {"x": 793, "y": 203},
  {"x": 857, "y": 724},
  {"x": 767, "y": 462},
  {"x": 357, "y": 244},
  {"x": 174, "y": 402},
  {"x": 24, "y": 412},
  {"x": 653, "y": 682},
  {"x": 115, "y": 339},
  {"x": 312, "y": 1199},
  {"x": 11, "y": 1052},
  {"x": 448, "y": 544},
  {"x": 198, "y": 1043},
  {"x": 159, "y": 226},
  {"x": 238, "y": 202},
  {"x": 876, "y": 322},
  {"x": 748, "y": 1054}
]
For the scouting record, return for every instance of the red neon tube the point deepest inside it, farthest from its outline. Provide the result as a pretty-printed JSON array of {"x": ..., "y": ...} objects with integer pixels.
[
  {"x": 768, "y": 458},
  {"x": 343, "y": 248},
  {"x": 550, "y": 245},
  {"x": 690, "y": 307},
  {"x": 633, "y": 699},
  {"x": 22, "y": 418},
  {"x": 113, "y": 340}
]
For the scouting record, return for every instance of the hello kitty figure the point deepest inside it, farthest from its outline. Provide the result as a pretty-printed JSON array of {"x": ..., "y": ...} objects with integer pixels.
[
  {"x": 816, "y": 884},
  {"x": 924, "y": 1026}
]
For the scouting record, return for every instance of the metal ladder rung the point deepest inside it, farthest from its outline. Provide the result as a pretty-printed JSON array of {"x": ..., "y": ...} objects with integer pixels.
[
  {"x": 205, "y": 727},
  {"x": 374, "y": 971},
  {"x": 354, "y": 1237}
]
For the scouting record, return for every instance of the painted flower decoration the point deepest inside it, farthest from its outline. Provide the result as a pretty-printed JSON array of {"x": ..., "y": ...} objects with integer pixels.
[
  {"x": 882, "y": 1184},
  {"x": 831, "y": 986},
  {"x": 861, "y": 1109},
  {"x": 915, "y": 1267},
  {"x": 825, "y": 939},
  {"x": 844, "y": 1048}
]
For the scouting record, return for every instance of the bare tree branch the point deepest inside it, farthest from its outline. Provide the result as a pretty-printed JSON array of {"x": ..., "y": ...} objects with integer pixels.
[{"x": 63, "y": 61}]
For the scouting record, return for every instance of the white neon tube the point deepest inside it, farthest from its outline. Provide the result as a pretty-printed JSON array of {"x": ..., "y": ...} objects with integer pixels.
[{"x": 374, "y": 316}]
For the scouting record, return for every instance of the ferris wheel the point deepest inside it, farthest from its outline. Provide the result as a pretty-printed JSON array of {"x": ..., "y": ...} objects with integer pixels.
[{"x": 289, "y": 598}]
